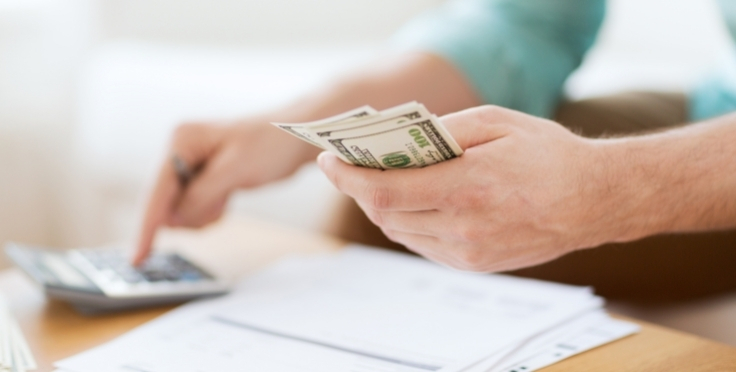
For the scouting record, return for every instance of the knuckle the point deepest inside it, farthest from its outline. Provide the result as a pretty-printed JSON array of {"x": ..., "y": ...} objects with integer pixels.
[
  {"x": 457, "y": 200},
  {"x": 470, "y": 259},
  {"x": 490, "y": 113},
  {"x": 379, "y": 197},
  {"x": 476, "y": 196},
  {"x": 467, "y": 234},
  {"x": 465, "y": 197}
]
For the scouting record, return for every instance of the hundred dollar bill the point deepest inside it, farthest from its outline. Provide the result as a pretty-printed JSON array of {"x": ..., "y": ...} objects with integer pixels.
[
  {"x": 407, "y": 111},
  {"x": 300, "y": 130},
  {"x": 404, "y": 136},
  {"x": 411, "y": 144},
  {"x": 385, "y": 119}
]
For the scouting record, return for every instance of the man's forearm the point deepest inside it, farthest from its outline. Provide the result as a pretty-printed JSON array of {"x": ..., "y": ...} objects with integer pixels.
[{"x": 682, "y": 180}]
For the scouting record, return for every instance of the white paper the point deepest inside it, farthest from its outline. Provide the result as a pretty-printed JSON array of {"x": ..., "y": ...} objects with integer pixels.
[
  {"x": 573, "y": 337},
  {"x": 365, "y": 310},
  {"x": 15, "y": 355},
  {"x": 399, "y": 307},
  {"x": 189, "y": 340}
]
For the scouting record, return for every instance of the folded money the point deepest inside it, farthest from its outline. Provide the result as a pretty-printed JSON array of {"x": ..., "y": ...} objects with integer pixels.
[{"x": 405, "y": 136}]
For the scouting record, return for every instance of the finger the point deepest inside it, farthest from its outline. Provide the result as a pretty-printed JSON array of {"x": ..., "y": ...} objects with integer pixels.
[
  {"x": 430, "y": 223},
  {"x": 163, "y": 199},
  {"x": 426, "y": 246},
  {"x": 191, "y": 143},
  {"x": 206, "y": 196},
  {"x": 403, "y": 190}
]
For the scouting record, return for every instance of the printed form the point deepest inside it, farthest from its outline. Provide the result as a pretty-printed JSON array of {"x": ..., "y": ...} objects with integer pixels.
[{"x": 365, "y": 309}]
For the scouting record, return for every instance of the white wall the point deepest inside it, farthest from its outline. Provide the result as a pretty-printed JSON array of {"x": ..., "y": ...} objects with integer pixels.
[
  {"x": 259, "y": 22},
  {"x": 653, "y": 44},
  {"x": 42, "y": 43},
  {"x": 48, "y": 46}
]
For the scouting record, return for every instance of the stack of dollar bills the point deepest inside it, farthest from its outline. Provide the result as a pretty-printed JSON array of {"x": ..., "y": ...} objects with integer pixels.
[
  {"x": 15, "y": 355},
  {"x": 404, "y": 136}
]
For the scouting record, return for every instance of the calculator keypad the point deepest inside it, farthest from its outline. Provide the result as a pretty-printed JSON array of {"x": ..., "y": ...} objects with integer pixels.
[
  {"x": 158, "y": 268},
  {"x": 163, "y": 274}
]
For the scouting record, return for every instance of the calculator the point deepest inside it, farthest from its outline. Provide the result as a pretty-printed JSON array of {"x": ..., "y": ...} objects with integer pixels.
[{"x": 103, "y": 279}]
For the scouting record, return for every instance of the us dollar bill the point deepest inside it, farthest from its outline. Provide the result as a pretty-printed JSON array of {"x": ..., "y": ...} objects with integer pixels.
[
  {"x": 417, "y": 143},
  {"x": 302, "y": 131},
  {"x": 406, "y": 136},
  {"x": 408, "y": 111}
]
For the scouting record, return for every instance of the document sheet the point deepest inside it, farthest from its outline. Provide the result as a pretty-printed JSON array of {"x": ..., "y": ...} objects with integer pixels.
[
  {"x": 15, "y": 355},
  {"x": 365, "y": 309}
]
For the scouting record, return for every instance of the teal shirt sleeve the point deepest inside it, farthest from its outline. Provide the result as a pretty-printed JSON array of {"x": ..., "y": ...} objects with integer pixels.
[
  {"x": 515, "y": 53},
  {"x": 716, "y": 94}
]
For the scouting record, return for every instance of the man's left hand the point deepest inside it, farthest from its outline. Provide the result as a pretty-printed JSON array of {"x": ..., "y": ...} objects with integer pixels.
[{"x": 525, "y": 191}]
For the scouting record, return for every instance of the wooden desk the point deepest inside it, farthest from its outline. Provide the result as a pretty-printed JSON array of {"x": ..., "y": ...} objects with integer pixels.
[{"x": 236, "y": 247}]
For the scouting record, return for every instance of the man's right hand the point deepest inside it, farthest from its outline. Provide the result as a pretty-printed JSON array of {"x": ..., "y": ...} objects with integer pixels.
[{"x": 226, "y": 157}]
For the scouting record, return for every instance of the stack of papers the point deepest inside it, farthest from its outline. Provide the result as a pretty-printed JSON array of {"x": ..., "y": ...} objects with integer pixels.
[
  {"x": 362, "y": 310},
  {"x": 15, "y": 355}
]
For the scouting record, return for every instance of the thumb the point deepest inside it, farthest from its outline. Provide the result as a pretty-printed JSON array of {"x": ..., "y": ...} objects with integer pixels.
[
  {"x": 478, "y": 125},
  {"x": 205, "y": 198},
  {"x": 331, "y": 166}
]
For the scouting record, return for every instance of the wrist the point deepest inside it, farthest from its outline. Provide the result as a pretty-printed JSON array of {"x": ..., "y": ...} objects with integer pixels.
[
  {"x": 619, "y": 195},
  {"x": 630, "y": 189}
]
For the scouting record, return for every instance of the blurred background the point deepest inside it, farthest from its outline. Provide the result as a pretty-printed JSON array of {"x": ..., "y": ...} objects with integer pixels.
[{"x": 90, "y": 91}]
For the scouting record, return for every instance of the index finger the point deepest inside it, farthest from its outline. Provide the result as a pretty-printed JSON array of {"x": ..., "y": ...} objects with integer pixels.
[
  {"x": 392, "y": 190},
  {"x": 165, "y": 195}
]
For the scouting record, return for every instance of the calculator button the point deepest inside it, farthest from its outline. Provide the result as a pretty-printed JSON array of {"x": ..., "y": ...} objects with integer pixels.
[
  {"x": 190, "y": 276},
  {"x": 161, "y": 273},
  {"x": 154, "y": 276},
  {"x": 132, "y": 277}
]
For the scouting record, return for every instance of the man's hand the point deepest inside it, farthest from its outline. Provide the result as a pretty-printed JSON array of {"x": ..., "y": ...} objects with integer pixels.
[
  {"x": 226, "y": 157},
  {"x": 525, "y": 191}
]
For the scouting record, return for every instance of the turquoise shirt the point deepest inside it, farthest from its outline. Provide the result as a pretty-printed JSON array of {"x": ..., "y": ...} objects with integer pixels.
[{"x": 518, "y": 53}]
